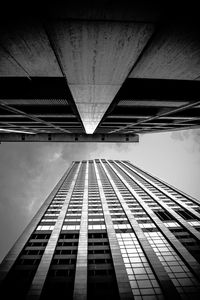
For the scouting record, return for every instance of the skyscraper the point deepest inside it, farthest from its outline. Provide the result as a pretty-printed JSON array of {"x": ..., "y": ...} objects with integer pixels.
[{"x": 108, "y": 230}]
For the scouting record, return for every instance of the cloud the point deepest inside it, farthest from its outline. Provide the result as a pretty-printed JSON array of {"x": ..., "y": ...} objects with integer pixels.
[
  {"x": 24, "y": 184},
  {"x": 177, "y": 135},
  {"x": 196, "y": 136},
  {"x": 189, "y": 137},
  {"x": 28, "y": 173},
  {"x": 77, "y": 151}
]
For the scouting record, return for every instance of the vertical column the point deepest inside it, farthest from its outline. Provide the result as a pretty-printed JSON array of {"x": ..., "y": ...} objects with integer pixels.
[
  {"x": 124, "y": 287},
  {"x": 80, "y": 284},
  {"x": 41, "y": 273},
  {"x": 12, "y": 255},
  {"x": 162, "y": 276},
  {"x": 183, "y": 252}
]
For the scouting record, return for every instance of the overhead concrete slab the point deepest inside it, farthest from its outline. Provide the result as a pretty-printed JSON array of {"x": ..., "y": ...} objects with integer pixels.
[
  {"x": 30, "y": 49},
  {"x": 94, "y": 101},
  {"x": 96, "y": 58},
  {"x": 8, "y": 66},
  {"x": 172, "y": 54}
]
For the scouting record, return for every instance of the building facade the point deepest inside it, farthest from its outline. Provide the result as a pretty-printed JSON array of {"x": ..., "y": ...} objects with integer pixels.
[{"x": 108, "y": 230}]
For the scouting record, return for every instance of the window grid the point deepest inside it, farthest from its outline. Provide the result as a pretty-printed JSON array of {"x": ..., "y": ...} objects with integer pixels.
[
  {"x": 180, "y": 198},
  {"x": 183, "y": 279},
  {"x": 142, "y": 279}
]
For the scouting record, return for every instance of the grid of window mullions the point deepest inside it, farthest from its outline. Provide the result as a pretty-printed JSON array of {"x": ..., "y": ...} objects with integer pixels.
[
  {"x": 38, "y": 281},
  {"x": 165, "y": 186},
  {"x": 104, "y": 184},
  {"x": 130, "y": 246},
  {"x": 183, "y": 279},
  {"x": 184, "y": 253},
  {"x": 113, "y": 174},
  {"x": 162, "y": 205},
  {"x": 181, "y": 276},
  {"x": 165, "y": 192},
  {"x": 143, "y": 226},
  {"x": 59, "y": 282},
  {"x": 24, "y": 268},
  {"x": 96, "y": 219},
  {"x": 142, "y": 279}
]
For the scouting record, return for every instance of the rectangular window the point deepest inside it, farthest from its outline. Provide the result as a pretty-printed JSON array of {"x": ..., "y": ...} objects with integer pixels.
[
  {"x": 186, "y": 215},
  {"x": 164, "y": 215}
]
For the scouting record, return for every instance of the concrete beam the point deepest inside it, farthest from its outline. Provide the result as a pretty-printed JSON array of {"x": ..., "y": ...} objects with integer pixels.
[
  {"x": 57, "y": 137},
  {"x": 96, "y": 58}
]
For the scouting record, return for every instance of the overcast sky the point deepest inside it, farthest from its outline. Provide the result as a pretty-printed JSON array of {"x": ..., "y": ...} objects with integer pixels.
[{"x": 29, "y": 171}]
